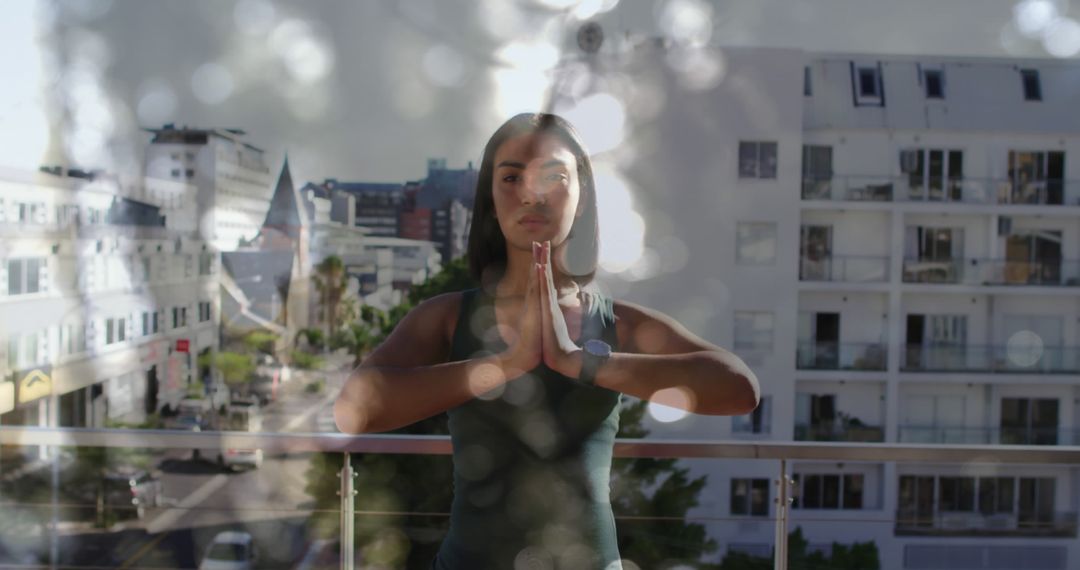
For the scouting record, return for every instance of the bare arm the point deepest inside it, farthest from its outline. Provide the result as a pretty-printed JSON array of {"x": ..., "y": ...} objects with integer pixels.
[
  {"x": 660, "y": 360},
  {"x": 407, "y": 379}
]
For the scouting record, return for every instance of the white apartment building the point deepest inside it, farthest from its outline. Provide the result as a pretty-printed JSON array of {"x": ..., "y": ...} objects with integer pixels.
[
  {"x": 232, "y": 177},
  {"x": 106, "y": 297},
  {"x": 893, "y": 245}
]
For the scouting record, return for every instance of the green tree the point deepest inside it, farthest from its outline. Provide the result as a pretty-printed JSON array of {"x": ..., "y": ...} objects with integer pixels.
[
  {"x": 330, "y": 281},
  {"x": 858, "y": 556},
  {"x": 260, "y": 341},
  {"x": 235, "y": 368}
]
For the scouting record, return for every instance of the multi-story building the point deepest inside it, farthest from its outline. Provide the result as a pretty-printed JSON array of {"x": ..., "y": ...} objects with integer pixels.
[
  {"x": 231, "y": 175},
  {"x": 107, "y": 297},
  {"x": 892, "y": 244}
]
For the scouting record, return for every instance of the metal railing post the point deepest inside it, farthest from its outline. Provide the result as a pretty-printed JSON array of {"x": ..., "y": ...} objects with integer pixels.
[
  {"x": 780, "y": 557},
  {"x": 348, "y": 514}
]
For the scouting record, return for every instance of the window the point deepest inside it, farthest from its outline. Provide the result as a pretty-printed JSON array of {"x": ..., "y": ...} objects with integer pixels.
[
  {"x": 175, "y": 173},
  {"x": 24, "y": 275},
  {"x": 188, "y": 265},
  {"x": 183, "y": 316},
  {"x": 204, "y": 311},
  {"x": 175, "y": 317},
  {"x": 189, "y": 173},
  {"x": 110, "y": 331},
  {"x": 868, "y": 82},
  {"x": 866, "y": 85},
  {"x": 807, "y": 87},
  {"x": 996, "y": 494},
  {"x": 154, "y": 322},
  {"x": 1029, "y": 421},
  {"x": 145, "y": 323},
  {"x": 755, "y": 243},
  {"x": 1032, "y": 86},
  {"x": 757, "y": 159},
  {"x": 934, "y": 80},
  {"x": 121, "y": 329},
  {"x": 206, "y": 263},
  {"x": 757, "y": 421},
  {"x": 750, "y": 497},
  {"x": 754, "y": 330},
  {"x": 956, "y": 494}
]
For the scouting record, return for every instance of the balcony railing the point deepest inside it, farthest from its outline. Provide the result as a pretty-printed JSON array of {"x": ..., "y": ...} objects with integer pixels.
[
  {"x": 910, "y": 522},
  {"x": 839, "y": 432},
  {"x": 984, "y": 271},
  {"x": 840, "y": 356},
  {"x": 858, "y": 188},
  {"x": 989, "y": 435},
  {"x": 1017, "y": 358},
  {"x": 847, "y": 268},
  {"x": 155, "y": 536}
]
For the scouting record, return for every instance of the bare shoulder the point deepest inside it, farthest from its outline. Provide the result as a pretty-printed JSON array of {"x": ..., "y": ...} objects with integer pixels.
[
  {"x": 649, "y": 331},
  {"x": 423, "y": 336}
]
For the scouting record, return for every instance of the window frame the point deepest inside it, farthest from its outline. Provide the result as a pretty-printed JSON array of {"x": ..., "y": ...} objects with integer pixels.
[
  {"x": 740, "y": 244},
  {"x": 758, "y": 160}
]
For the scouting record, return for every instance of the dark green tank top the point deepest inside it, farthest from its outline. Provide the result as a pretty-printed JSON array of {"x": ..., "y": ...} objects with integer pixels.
[{"x": 532, "y": 459}]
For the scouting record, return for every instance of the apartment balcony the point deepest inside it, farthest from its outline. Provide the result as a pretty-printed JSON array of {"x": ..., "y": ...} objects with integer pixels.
[
  {"x": 1019, "y": 358},
  {"x": 839, "y": 431},
  {"x": 984, "y": 271},
  {"x": 840, "y": 356},
  {"x": 845, "y": 268},
  {"x": 1060, "y": 524},
  {"x": 989, "y": 435},
  {"x": 916, "y": 189}
]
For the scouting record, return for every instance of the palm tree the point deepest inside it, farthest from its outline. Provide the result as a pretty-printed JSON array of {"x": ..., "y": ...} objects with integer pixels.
[{"x": 330, "y": 280}]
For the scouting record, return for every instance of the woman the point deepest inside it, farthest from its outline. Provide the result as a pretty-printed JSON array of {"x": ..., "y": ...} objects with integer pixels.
[{"x": 530, "y": 367}]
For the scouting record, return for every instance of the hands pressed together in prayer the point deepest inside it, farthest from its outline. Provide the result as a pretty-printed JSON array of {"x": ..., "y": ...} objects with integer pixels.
[{"x": 542, "y": 335}]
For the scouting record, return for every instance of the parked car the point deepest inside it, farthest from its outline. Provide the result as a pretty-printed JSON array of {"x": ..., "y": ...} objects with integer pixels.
[
  {"x": 242, "y": 415},
  {"x": 230, "y": 550},
  {"x": 196, "y": 422},
  {"x": 124, "y": 488}
]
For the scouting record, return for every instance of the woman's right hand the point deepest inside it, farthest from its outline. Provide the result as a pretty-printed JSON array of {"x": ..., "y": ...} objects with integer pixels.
[{"x": 526, "y": 352}]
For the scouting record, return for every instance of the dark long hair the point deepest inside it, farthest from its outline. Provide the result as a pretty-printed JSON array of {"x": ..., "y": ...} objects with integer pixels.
[{"x": 487, "y": 244}]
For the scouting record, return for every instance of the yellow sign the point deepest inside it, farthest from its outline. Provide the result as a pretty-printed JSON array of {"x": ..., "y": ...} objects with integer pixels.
[
  {"x": 34, "y": 385},
  {"x": 7, "y": 397}
]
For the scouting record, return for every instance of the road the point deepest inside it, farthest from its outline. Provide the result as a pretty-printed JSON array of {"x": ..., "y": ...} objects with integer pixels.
[{"x": 201, "y": 500}]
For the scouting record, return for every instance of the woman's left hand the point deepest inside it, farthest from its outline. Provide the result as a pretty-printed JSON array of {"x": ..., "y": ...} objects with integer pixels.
[{"x": 560, "y": 352}]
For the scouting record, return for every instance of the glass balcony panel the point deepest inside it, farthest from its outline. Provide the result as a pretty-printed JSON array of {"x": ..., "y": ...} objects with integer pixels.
[{"x": 840, "y": 356}]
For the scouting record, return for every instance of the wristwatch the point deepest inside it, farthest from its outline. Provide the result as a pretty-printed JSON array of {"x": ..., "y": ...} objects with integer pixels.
[{"x": 594, "y": 353}]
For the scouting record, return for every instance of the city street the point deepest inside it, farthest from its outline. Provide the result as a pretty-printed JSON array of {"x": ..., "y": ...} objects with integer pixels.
[{"x": 201, "y": 500}]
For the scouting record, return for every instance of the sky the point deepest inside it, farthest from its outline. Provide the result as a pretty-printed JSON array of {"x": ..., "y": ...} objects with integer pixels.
[{"x": 368, "y": 90}]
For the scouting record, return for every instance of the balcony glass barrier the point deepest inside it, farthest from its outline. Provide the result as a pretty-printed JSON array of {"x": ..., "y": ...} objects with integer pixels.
[
  {"x": 914, "y": 188},
  {"x": 88, "y": 505},
  {"x": 841, "y": 356},
  {"x": 982, "y": 271},
  {"x": 847, "y": 268},
  {"x": 1026, "y": 354},
  {"x": 988, "y": 435},
  {"x": 839, "y": 432}
]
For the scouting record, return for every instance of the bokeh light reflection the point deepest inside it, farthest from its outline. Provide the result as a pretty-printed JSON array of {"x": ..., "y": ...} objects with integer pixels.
[
  {"x": 1062, "y": 38},
  {"x": 212, "y": 83}
]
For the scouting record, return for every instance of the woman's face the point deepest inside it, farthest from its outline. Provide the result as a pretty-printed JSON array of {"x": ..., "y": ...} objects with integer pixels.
[{"x": 536, "y": 190}]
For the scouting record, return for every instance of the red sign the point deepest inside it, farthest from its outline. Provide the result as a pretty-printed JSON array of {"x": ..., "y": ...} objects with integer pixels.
[{"x": 183, "y": 345}]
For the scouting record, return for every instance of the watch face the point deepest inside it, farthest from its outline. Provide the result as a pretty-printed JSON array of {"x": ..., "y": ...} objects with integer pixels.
[{"x": 597, "y": 347}]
